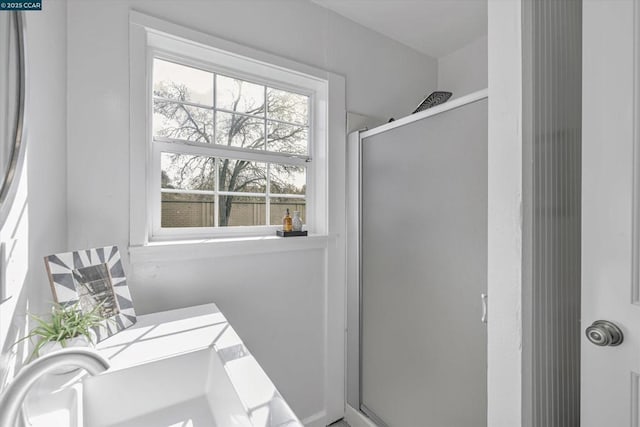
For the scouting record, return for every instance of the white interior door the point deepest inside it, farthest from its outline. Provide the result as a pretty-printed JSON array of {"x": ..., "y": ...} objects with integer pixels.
[{"x": 610, "y": 199}]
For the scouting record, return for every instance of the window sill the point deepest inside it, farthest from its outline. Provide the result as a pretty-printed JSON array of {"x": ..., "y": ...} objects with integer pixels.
[{"x": 180, "y": 250}]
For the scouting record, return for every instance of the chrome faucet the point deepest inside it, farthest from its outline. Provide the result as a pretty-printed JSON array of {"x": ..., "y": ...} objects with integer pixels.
[{"x": 12, "y": 398}]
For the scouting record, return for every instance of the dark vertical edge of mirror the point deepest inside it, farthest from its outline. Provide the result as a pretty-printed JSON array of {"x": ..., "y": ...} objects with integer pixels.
[{"x": 8, "y": 184}]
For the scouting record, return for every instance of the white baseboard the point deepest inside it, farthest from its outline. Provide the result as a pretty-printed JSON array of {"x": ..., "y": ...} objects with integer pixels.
[
  {"x": 356, "y": 418},
  {"x": 353, "y": 417},
  {"x": 316, "y": 420}
]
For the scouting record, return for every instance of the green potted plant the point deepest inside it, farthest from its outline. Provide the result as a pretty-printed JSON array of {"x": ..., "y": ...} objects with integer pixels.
[{"x": 67, "y": 327}]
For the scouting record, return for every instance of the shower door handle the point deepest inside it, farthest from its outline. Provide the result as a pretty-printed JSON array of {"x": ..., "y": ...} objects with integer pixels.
[
  {"x": 485, "y": 311},
  {"x": 604, "y": 333}
]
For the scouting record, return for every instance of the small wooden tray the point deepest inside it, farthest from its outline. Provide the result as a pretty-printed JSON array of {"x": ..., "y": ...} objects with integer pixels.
[{"x": 291, "y": 233}]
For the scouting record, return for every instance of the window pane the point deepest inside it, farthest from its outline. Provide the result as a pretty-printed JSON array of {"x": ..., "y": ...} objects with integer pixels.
[
  {"x": 173, "y": 120},
  {"x": 242, "y": 176},
  {"x": 241, "y": 211},
  {"x": 239, "y": 96},
  {"x": 187, "y": 210},
  {"x": 286, "y": 179},
  {"x": 279, "y": 207},
  {"x": 285, "y": 138},
  {"x": 287, "y": 106},
  {"x": 187, "y": 172},
  {"x": 182, "y": 83},
  {"x": 239, "y": 131}
]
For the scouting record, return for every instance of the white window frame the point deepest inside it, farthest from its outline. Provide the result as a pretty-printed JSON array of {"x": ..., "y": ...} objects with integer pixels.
[{"x": 153, "y": 38}]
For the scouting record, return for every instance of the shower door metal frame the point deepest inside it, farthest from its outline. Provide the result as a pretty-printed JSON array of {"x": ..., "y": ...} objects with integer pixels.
[
  {"x": 354, "y": 274},
  {"x": 354, "y": 268},
  {"x": 354, "y": 243}
]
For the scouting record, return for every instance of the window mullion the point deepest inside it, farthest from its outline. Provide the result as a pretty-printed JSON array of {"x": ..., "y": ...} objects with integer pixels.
[
  {"x": 240, "y": 194},
  {"x": 240, "y": 113},
  {"x": 266, "y": 106},
  {"x": 216, "y": 198},
  {"x": 215, "y": 112},
  {"x": 267, "y": 202},
  {"x": 182, "y": 102}
]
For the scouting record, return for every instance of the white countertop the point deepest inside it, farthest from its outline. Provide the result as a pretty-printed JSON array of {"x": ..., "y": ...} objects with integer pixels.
[
  {"x": 169, "y": 333},
  {"x": 175, "y": 332}
]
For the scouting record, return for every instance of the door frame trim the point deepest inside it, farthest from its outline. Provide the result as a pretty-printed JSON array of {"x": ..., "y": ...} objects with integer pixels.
[
  {"x": 505, "y": 215},
  {"x": 635, "y": 214}
]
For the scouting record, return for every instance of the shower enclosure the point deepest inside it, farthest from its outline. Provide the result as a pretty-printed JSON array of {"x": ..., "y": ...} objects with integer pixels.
[{"x": 417, "y": 260}]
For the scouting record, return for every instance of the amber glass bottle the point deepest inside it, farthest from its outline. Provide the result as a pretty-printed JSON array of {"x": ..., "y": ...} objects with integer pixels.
[{"x": 287, "y": 224}]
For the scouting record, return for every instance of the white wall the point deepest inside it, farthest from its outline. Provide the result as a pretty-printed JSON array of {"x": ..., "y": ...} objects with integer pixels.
[
  {"x": 465, "y": 70},
  {"x": 277, "y": 302},
  {"x": 37, "y": 223}
]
